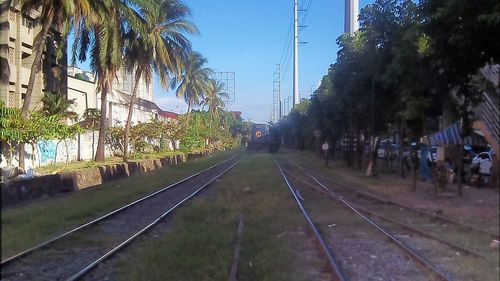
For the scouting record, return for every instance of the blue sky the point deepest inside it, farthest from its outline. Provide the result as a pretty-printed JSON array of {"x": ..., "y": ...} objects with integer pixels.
[{"x": 248, "y": 37}]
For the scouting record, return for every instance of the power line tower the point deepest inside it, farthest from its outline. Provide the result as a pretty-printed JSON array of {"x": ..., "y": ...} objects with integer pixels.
[{"x": 277, "y": 94}]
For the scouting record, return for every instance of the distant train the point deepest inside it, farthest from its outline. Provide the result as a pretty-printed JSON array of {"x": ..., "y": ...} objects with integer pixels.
[{"x": 264, "y": 138}]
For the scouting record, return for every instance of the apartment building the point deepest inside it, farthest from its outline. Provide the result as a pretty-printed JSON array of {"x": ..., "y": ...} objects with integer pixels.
[{"x": 17, "y": 39}]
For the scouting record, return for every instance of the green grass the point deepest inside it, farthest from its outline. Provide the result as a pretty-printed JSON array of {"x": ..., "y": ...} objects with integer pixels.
[
  {"x": 464, "y": 267},
  {"x": 23, "y": 227},
  {"x": 78, "y": 165},
  {"x": 200, "y": 244}
]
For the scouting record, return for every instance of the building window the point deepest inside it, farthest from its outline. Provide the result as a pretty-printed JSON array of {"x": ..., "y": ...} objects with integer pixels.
[{"x": 27, "y": 22}]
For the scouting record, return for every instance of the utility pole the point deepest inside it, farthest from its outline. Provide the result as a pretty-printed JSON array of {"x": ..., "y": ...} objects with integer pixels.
[
  {"x": 351, "y": 24},
  {"x": 295, "y": 54},
  {"x": 277, "y": 92}
]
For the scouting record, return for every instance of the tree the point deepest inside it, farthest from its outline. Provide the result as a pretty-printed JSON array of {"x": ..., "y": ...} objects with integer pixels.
[
  {"x": 53, "y": 13},
  {"x": 56, "y": 13},
  {"x": 91, "y": 117},
  {"x": 214, "y": 97},
  {"x": 163, "y": 48},
  {"x": 54, "y": 103},
  {"x": 11, "y": 124},
  {"x": 105, "y": 40},
  {"x": 462, "y": 40},
  {"x": 193, "y": 83}
]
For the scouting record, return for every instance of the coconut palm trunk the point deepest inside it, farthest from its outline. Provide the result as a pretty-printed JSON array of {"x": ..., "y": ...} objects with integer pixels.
[
  {"x": 99, "y": 154},
  {"x": 138, "y": 75},
  {"x": 37, "y": 62},
  {"x": 35, "y": 68}
]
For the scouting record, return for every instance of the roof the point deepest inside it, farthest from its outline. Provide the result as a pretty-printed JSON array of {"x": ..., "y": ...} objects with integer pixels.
[
  {"x": 140, "y": 102},
  {"x": 168, "y": 114}
]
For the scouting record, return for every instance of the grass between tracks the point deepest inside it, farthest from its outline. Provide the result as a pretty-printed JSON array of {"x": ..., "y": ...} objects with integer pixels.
[
  {"x": 461, "y": 266},
  {"x": 200, "y": 242},
  {"x": 26, "y": 226}
]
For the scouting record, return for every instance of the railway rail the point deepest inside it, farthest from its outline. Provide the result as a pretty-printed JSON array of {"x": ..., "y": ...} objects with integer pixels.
[
  {"x": 334, "y": 268},
  {"x": 75, "y": 253},
  {"x": 417, "y": 221},
  {"x": 428, "y": 214},
  {"x": 426, "y": 264}
]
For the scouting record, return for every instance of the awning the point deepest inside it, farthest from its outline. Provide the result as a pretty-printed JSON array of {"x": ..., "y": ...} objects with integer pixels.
[{"x": 452, "y": 135}]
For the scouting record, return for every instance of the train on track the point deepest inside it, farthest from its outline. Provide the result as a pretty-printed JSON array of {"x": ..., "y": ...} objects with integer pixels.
[{"x": 264, "y": 138}]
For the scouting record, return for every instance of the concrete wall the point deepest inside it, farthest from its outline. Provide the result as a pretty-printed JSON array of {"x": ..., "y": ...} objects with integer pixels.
[
  {"x": 44, "y": 153},
  {"x": 18, "y": 191}
]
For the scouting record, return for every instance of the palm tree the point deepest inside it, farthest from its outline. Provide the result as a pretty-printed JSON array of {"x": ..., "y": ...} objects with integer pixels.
[
  {"x": 162, "y": 49},
  {"x": 214, "y": 97},
  {"x": 54, "y": 103},
  {"x": 58, "y": 13},
  {"x": 193, "y": 82},
  {"x": 106, "y": 41}
]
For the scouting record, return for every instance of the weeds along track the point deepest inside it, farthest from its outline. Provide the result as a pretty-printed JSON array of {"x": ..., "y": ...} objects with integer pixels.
[
  {"x": 73, "y": 254},
  {"x": 444, "y": 244},
  {"x": 362, "y": 246},
  {"x": 463, "y": 238},
  {"x": 334, "y": 269}
]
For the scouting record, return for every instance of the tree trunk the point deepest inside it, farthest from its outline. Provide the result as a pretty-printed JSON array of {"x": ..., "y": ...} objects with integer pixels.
[
  {"x": 35, "y": 68},
  {"x": 400, "y": 157},
  {"x": 78, "y": 153},
  {"x": 55, "y": 154},
  {"x": 138, "y": 75},
  {"x": 93, "y": 139},
  {"x": 99, "y": 154},
  {"x": 67, "y": 152},
  {"x": 37, "y": 62}
]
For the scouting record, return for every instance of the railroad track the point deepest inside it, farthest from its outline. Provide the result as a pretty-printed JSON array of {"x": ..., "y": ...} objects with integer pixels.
[
  {"x": 388, "y": 251},
  {"x": 75, "y": 253},
  {"x": 424, "y": 223},
  {"x": 337, "y": 275}
]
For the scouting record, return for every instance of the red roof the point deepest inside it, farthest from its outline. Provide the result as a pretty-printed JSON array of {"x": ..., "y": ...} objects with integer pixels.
[{"x": 169, "y": 114}]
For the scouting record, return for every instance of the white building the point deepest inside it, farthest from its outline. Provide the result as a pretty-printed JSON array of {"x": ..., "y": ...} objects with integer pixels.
[{"x": 82, "y": 88}]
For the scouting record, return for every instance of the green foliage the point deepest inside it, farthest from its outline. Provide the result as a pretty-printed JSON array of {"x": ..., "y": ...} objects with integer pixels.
[
  {"x": 114, "y": 140},
  {"x": 10, "y": 124},
  {"x": 204, "y": 131},
  {"x": 81, "y": 76},
  {"x": 196, "y": 132},
  {"x": 399, "y": 69},
  {"x": 55, "y": 103},
  {"x": 194, "y": 82},
  {"x": 91, "y": 117}
]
